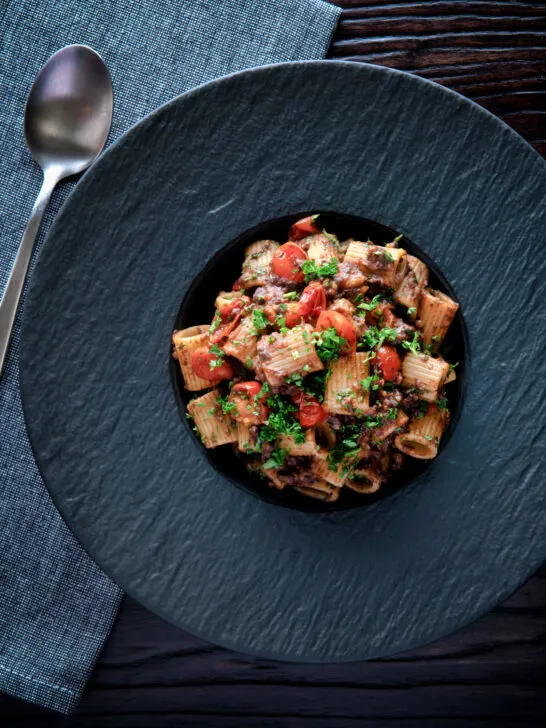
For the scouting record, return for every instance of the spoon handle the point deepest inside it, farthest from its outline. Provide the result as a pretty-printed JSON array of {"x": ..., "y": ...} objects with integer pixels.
[{"x": 16, "y": 281}]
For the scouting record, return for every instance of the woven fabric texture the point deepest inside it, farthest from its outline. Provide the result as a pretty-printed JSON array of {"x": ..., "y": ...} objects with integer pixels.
[{"x": 56, "y": 606}]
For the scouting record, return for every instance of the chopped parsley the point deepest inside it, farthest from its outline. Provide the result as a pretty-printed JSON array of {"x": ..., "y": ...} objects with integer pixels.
[
  {"x": 442, "y": 404},
  {"x": 214, "y": 363},
  {"x": 281, "y": 420},
  {"x": 296, "y": 379},
  {"x": 424, "y": 409},
  {"x": 374, "y": 338},
  {"x": 291, "y": 296},
  {"x": 344, "y": 394},
  {"x": 281, "y": 323},
  {"x": 369, "y": 382},
  {"x": 412, "y": 310},
  {"x": 414, "y": 345},
  {"x": 312, "y": 271},
  {"x": 371, "y": 306},
  {"x": 259, "y": 319},
  {"x": 216, "y": 321},
  {"x": 276, "y": 459},
  {"x": 227, "y": 406},
  {"x": 328, "y": 344},
  {"x": 315, "y": 383},
  {"x": 372, "y": 422},
  {"x": 385, "y": 254},
  {"x": 347, "y": 448},
  {"x": 392, "y": 414}
]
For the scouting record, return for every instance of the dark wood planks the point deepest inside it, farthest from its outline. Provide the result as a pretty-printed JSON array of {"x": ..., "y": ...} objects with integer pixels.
[
  {"x": 492, "y": 673},
  {"x": 491, "y": 52}
]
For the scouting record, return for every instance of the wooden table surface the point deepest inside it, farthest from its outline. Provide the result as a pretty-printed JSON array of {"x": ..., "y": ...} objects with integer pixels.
[{"x": 494, "y": 671}]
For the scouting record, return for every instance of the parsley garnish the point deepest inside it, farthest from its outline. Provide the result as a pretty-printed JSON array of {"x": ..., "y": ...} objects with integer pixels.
[
  {"x": 214, "y": 363},
  {"x": 372, "y": 422},
  {"x": 281, "y": 421},
  {"x": 328, "y": 344},
  {"x": 414, "y": 345},
  {"x": 368, "y": 383},
  {"x": 346, "y": 449},
  {"x": 411, "y": 310},
  {"x": 392, "y": 414},
  {"x": 374, "y": 337},
  {"x": 442, "y": 404},
  {"x": 216, "y": 321},
  {"x": 259, "y": 319},
  {"x": 227, "y": 406},
  {"x": 385, "y": 254},
  {"x": 372, "y": 305},
  {"x": 291, "y": 296},
  {"x": 311, "y": 270},
  {"x": 276, "y": 458}
]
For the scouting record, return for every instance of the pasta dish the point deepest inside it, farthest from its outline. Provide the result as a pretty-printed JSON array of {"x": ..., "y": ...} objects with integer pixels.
[{"x": 322, "y": 365}]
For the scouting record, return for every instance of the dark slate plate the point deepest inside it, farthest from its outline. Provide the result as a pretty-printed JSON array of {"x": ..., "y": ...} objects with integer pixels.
[{"x": 124, "y": 469}]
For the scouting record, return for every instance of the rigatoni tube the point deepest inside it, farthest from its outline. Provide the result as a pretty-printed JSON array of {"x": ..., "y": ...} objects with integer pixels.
[
  {"x": 214, "y": 426},
  {"x": 281, "y": 355},
  {"x": 386, "y": 264},
  {"x": 424, "y": 373},
  {"x": 411, "y": 287},
  {"x": 321, "y": 249},
  {"x": 185, "y": 343},
  {"x": 423, "y": 436},
  {"x": 242, "y": 343},
  {"x": 257, "y": 264},
  {"x": 345, "y": 393},
  {"x": 436, "y": 311}
]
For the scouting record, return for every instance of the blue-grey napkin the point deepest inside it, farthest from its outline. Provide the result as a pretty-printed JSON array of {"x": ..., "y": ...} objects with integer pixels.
[{"x": 56, "y": 606}]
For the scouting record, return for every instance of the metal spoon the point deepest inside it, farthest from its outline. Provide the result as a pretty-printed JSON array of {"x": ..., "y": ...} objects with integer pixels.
[{"x": 68, "y": 115}]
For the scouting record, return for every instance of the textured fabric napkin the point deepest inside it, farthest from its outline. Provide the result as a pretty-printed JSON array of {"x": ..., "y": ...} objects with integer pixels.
[{"x": 56, "y": 606}]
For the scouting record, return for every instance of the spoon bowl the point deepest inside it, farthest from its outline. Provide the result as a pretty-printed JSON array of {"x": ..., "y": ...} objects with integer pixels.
[
  {"x": 68, "y": 116},
  {"x": 69, "y": 110}
]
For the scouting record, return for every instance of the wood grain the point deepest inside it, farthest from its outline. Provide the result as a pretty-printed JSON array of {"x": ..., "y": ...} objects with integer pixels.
[
  {"x": 492, "y": 52},
  {"x": 493, "y": 672}
]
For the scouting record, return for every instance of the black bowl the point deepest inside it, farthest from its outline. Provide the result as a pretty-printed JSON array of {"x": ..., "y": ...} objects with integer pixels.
[{"x": 221, "y": 272}]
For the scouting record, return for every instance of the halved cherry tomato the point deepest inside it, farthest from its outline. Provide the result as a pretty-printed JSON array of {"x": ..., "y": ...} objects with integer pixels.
[
  {"x": 308, "y": 308},
  {"x": 201, "y": 365},
  {"x": 286, "y": 262},
  {"x": 342, "y": 325},
  {"x": 251, "y": 409},
  {"x": 229, "y": 316},
  {"x": 302, "y": 228},
  {"x": 312, "y": 301},
  {"x": 388, "y": 361},
  {"x": 293, "y": 315},
  {"x": 310, "y": 412}
]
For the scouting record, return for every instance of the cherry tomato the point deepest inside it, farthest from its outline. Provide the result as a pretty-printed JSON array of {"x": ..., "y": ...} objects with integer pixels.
[
  {"x": 201, "y": 365},
  {"x": 286, "y": 262},
  {"x": 302, "y": 228},
  {"x": 308, "y": 308},
  {"x": 229, "y": 316},
  {"x": 251, "y": 409},
  {"x": 312, "y": 301},
  {"x": 342, "y": 325},
  {"x": 388, "y": 361},
  {"x": 310, "y": 412}
]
